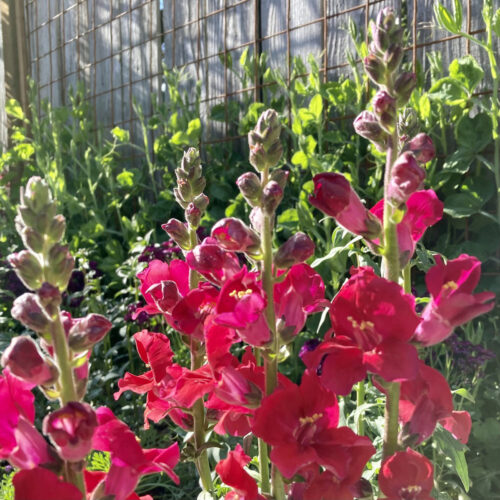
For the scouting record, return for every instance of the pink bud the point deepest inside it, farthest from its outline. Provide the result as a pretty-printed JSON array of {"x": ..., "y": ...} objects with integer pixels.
[
  {"x": 233, "y": 388},
  {"x": 250, "y": 187},
  {"x": 165, "y": 294},
  {"x": 406, "y": 177},
  {"x": 193, "y": 215},
  {"x": 272, "y": 194},
  {"x": 25, "y": 360},
  {"x": 384, "y": 107},
  {"x": 334, "y": 196},
  {"x": 178, "y": 232},
  {"x": 366, "y": 125},
  {"x": 71, "y": 429},
  {"x": 422, "y": 148},
  {"x": 27, "y": 309},
  {"x": 233, "y": 235},
  {"x": 298, "y": 248},
  {"x": 88, "y": 331}
]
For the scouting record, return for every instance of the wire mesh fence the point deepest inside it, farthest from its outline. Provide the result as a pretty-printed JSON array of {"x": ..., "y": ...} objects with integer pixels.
[{"x": 118, "y": 47}]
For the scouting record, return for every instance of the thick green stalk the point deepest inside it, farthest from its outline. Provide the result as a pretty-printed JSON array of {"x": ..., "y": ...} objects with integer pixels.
[
  {"x": 270, "y": 362},
  {"x": 391, "y": 272},
  {"x": 360, "y": 400},
  {"x": 202, "y": 464}
]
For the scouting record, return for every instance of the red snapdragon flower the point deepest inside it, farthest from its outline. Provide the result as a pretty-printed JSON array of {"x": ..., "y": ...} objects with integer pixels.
[
  {"x": 427, "y": 400},
  {"x": 372, "y": 321},
  {"x": 241, "y": 305},
  {"x": 301, "y": 293},
  {"x": 300, "y": 424},
  {"x": 453, "y": 304},
  {"x": 231, "y": 471},
  {"x": 28, "y": 485},
  {"x": 334, "y": 196},
  {"x": 406, "y": 475},
  {"x": 423, "y": 209},
  {"x": 129, "y": 462},
  {"x": 20, "y": 441},
  {"x": 177, "y": 271}
]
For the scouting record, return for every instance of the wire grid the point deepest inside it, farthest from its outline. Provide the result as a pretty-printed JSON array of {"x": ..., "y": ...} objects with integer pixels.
[{"x": 116, "y": 47}]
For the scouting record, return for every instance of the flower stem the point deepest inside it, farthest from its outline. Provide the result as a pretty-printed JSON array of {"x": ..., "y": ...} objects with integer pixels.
[
  {"x": 391, "y": 272},
  {"x": 270, "y": 362},
  {"x": 197, "y": 355},
  {"x": 360, "y": 399}
]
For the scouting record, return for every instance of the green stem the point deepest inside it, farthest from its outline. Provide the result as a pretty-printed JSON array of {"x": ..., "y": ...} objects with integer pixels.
[
  {"x": 360, "y": 400},
  {"x": 270, "y": 362},
  {"x": 197, "y": 355},
  {"x": 391, "y": 272}
]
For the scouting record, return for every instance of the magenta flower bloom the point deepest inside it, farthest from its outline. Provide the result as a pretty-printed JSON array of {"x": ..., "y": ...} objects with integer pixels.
[
  {"x": 129, "y": 462},
  {"x": 334, "y": 196},
  {"x": 372, "y": 323},
  {"x": 406, "y": 475},
  {"x": 235, "y": 236},
  {"x": 300, "y": 423},
  {"x": 71, "y": 429},
  {"x": 25, "y": 360},
  {"x": 156, "y": 272},
  {"x": 28, "y": 485},
  {"x": 453, "y": 304},
  {"x": 423, "y": 209}
]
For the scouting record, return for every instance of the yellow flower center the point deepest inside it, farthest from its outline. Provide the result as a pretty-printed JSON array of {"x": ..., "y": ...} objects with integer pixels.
[
  {"x": 239, "y": 294},
  {"x": 451, "y": 285},
  {"x": 310, "y": 420},
  {"x": 364, "y": 325}
]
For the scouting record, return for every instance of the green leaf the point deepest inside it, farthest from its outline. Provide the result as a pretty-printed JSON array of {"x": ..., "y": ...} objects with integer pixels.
[
  {"x": 121, "y": 134},
  {"x": 467, "y": 71},
  {"x": 316, "y": 106},
  {"x": 300, "y": 158},
  {"x": 465, "y": 394},
  {"x": 495, "y": 25},
  {"x": 424, "y": 106},
  {"x": 194, "y": 129},
  {"x": 335, "y": 251},
  {"x": 243, "y": 57},
  {"x": 288, "y": 217},
  {"x": 474, "y": 134},
  {"x": 462, "y": 205},
  {"x": 125, "y": 178},
  {"x": 14, "y": 109},
  {"x": 448, "y": 90},
  {"x": 179, "y": 138},
  {"x": 24, "y": 150},
  {"x": 459, "y": 162},
  {"x": 310, "y": 144},
  {"x": 445, "y": 19}
]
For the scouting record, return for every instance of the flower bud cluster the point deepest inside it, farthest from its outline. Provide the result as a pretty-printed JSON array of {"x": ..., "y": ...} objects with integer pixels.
[
  {"x": 189, "y": 195},
  {"x": 264, "y": 141}
]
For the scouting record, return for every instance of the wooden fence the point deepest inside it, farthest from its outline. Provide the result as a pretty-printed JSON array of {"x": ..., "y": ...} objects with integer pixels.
[{"x": 117, "y": 47}]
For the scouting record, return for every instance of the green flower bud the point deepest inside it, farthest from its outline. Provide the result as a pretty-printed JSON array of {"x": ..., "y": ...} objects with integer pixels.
[
  {"x": 56, "y": 228},
  {"x": 28, "y": 268},
  {"x": 178, "y": 232},
  {"x": 33, "y": 239}
]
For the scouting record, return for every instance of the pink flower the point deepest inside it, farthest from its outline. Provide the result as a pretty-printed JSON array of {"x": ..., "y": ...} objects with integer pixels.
[
  {"x": 423, "y": 209},
  {"x": 70, "y": 429},
  {"x": 372, "y": 321},
  {"x": 334, "y": 196},
  {"x": 406, "y": 177},
  {"x": 300, "y": 424},
  {"x": 129, "y": 462},
  {"x": 235, "y": 236},
  {"x": 157, "y": 271},
  {"x": 30, "y": 485},
  {"x": 241, "y": 306},
  {"x": 231, "y": 471},
  {"x": 422, "y": 148},
  {"x": 406, "y": 475},
  {"x": 452, "y": 302}
]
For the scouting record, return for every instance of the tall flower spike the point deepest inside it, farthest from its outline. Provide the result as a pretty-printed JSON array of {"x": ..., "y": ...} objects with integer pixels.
[{"x": 264, "y": 141}]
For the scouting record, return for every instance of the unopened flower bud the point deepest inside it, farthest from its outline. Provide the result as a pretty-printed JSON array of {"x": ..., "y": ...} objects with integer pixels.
[
  {"x": 298, "y": 248},
  {"x": 393, "y": 57},
  {"x": 403, "y": 87},
  {"x": 32, "y": 239},
  {"x": 25, "y": 360},
  {"x": 71, "y": 429},
  {"x": 384, "y": 107},
  {"x": 28, "y": 310},
  {"x": 272, "y": 194},
  {"x": 406, "y": 177},
  {"x": 184, "y": 189},
  {"x": 198, "y": 185},
  {"x": 280, "y": 176},
  {"x": 257, "y": 219},
  {"x": 36, "y": 195},
  {"x": 165, "y": 294},
  {"x": 50, "y": 298},
  {"x": 178, "y": 232},
  {"x": 26, "y": 217},
  {"x": 61, "y": 264},
  {"x": 235, "y": 236},
  {"x": 193, "y": 215},
  {"x": 264, "y": 143},
  {"x": 56, "y": 229},
  {"x": 191, "y": 165},
  {"x": 334, "y": 196},
  {"x": 375, "y": 69},
  {"x": 367, "y": 126},
  {"x": 201, "y": 202},
  {"x": 234, "y": 389},
  {"x": 362, "y": 489},
  {"x": 422, "y": 148},
  {"x": 386, "y": 19},
  {"x": 28, "y": 268},
  {"x": 250, "y": 187},
  {"x": 88, "y": 331},
  {"x": 179, "y": 199}
]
